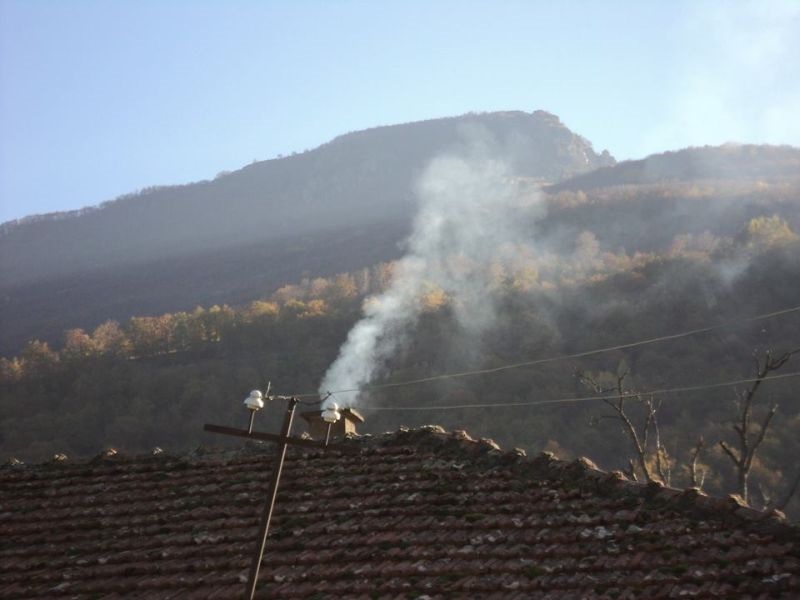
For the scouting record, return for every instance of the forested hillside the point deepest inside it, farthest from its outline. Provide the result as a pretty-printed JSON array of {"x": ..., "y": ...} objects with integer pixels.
[
  {"x": 616, "y": 264},
  {"x": 244, "y": 233}
]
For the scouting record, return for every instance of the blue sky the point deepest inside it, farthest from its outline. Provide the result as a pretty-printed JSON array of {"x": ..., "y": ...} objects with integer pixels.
[{"x": 101, "y": 98}]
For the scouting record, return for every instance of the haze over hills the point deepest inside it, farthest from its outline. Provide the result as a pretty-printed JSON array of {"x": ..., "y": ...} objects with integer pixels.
[
  {"x": 341, "y": 206},
  {"x": 347, "y": 205}
]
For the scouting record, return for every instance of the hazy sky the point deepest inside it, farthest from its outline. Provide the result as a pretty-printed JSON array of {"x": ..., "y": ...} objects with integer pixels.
[{"x": 101, "y": 98}]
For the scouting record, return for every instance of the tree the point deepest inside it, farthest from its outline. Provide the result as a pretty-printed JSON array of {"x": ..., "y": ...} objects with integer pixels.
[
  {"x": 318, "y": 287},
  {"x": 181, "y": 336},
  {"x": 78, "y": 346},
  {"x": 218, "y": 321},
  {"x": 362, "y": 281},
  {"x": 650, "y": 455},
  {"x": 260, "y": 309},
  {"x": 38, "y": 359},
  {"x": 10, "y": 370},
  {"x": 314, "y": 308},
  {"x": 381, "y": 276},
  {"x": 586, "y": 254},
  {"x": 764, "y": 232},
  {"x": 696, "y": 477},
  {"x": 151, "y": 335},
  {"x": 790, "y": 492},
  {"x": 109, "y": 338},
  {"x": 343, "y": 288},
  {"x": 748, "y": 436}
]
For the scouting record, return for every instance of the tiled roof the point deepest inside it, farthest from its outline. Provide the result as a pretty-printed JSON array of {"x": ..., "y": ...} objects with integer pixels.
[{"x": 415, "y": 514}]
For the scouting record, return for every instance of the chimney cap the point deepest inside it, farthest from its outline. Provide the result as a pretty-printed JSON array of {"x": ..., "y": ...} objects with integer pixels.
[{"x": 352, "y": 414}]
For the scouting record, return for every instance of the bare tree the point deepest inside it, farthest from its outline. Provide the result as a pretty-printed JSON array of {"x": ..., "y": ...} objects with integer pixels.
[
  {"x": 749, "y": 436},
  {"x": 653, "y": 462},
  {"x": 789, "y": 493},
  {"x": 696, "y": 482},
  {"x": 768, "y": 497}
]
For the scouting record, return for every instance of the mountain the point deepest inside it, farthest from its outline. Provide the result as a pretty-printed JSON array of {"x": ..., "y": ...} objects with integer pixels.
[
  {"x": 341, "y": 206},
  {"x": 358, "y": 178}
]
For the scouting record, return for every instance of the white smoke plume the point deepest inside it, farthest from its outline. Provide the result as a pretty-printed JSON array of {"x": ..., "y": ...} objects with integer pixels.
[{"x": 471, "y": 221}]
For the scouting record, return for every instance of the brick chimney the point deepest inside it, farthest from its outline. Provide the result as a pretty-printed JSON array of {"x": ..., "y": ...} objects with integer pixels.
[{"x": 347, "y": 424}]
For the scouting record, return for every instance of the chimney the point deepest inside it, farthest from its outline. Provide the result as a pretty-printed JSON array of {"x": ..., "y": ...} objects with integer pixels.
[{"x": 319, "y": 428}]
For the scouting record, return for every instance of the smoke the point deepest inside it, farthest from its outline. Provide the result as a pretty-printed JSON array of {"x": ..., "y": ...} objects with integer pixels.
[{"x": 471, "y": 224}]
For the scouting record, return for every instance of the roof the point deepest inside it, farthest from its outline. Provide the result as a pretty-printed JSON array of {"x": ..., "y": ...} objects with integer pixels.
[{"x": 414, "y": 514}]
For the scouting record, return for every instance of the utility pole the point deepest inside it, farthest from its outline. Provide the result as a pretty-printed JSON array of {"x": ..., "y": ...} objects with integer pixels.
[
  {"x": 266, "y": 514},
  {"x": 254, "y": 403}
]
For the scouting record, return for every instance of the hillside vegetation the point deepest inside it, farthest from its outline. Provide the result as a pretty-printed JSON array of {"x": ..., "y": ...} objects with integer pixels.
[{"x": 616, "y": 264}]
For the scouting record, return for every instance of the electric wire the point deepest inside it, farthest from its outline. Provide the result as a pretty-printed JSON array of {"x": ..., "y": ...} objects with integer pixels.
[
  {"x": 541, "y": 361},
  {"x": 661, "y": 392}
]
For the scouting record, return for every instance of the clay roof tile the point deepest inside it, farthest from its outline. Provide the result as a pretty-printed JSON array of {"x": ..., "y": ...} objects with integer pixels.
[{"x": 416, "y": 513}]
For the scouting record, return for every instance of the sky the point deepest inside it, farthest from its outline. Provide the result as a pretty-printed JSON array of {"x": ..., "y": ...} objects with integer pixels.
[{"x": 103, "y": 98}]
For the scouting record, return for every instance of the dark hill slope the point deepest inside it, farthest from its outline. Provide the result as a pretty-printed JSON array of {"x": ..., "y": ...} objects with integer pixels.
[{"x": 44, "y": 309}]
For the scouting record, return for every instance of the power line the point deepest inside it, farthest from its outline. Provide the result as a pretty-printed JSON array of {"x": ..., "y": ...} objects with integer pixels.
[
  {"x": 541, "y": 361},
  {"x": 690, "y": 388}
]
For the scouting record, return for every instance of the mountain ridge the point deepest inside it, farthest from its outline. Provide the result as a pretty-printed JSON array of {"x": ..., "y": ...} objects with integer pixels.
[
  {"x": 364, "y": 174},
  {"x": 543, "y": 116},
  {"x": 690, "y": 164}
]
